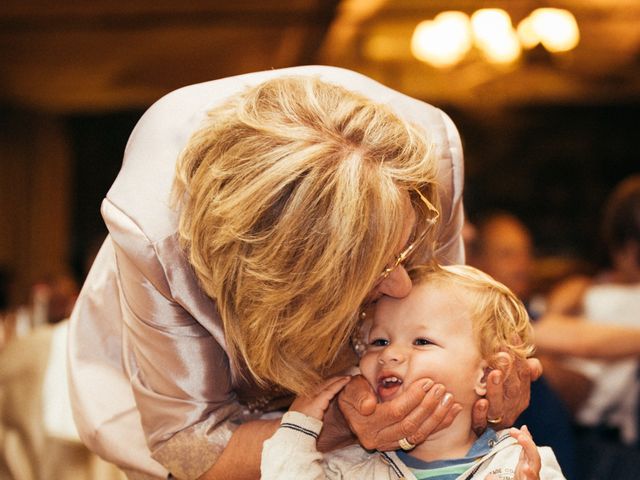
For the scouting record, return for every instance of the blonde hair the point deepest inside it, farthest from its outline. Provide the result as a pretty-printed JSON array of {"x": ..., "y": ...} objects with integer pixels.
[
  {"x": 293, "y": 199},
  {"x": 500, "y": 320}
]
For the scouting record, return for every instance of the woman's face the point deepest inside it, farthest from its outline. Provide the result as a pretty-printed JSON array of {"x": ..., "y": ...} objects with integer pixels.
[{"x": 397, "y": 283}]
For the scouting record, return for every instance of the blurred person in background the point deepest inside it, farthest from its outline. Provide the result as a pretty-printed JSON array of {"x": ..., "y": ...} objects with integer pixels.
[
  {"x": 596, "y": 320},
  {"x": 502, "y": 246},
  {"x": 38, "y": 439}
]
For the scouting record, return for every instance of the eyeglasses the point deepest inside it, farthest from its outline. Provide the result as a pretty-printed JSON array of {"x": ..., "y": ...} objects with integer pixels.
[{"x": 403, "y": 256}]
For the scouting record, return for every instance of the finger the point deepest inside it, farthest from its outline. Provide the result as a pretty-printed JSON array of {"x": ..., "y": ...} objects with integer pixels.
[
  {"x": 518, "y": 390},
  {"x": 535, "y": 368},
  {"x": 331, "y": 387},
  {"x": 530, "y": 455},
  {"x": 423, "y": 420},
  {"x": 503, "y": 362},
  {"x": 382, "y": 428},
  {"x": 523, "y": 370},
  {"x": 412, "y": 398},
  {"x": 404, "y": 414},
  {"x": 439, "y": 407},
  {"x": 403, "y": 423},
  {"x": 530, "y": 449},
  {"x": 524, "y": 471},
  {"x": 515, "y": 375},
  {"x": 335, "y": 384},
  {"x": 451, "y": 416},
  {"x": 357, "y": 398},
  {"x": 479, "y": 416},
  {"x": 495, "y": 394}
]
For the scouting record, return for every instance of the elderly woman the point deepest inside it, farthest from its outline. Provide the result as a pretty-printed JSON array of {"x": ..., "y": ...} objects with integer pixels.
[{"x": 253, "y": 219}]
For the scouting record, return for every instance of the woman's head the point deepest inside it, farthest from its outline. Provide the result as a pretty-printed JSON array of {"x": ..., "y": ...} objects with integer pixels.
[{"x": 294, "y": 197}]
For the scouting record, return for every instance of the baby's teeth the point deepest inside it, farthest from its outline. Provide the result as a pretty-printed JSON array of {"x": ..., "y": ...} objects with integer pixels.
[{"x": 389, "y": 380}]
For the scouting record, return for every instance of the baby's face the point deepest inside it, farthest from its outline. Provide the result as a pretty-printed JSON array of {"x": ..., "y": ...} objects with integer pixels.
[{"x": 427, "y": 334}]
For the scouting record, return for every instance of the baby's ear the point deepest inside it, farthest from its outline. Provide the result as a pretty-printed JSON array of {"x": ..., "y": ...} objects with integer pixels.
[
  {"x": 503, "y": 362},
  {"x": 499, "y": 361},
  {"x": 480, "y": 384}
]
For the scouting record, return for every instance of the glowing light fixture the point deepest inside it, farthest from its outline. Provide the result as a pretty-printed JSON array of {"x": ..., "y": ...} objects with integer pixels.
[
  {"x": 526, "y": 33},
  {"x": 443, "y": 41},
  {"x": 494, "y": 35},
  {"x": 503, "y": 48},
  {"x": 557, "y": 29},
  {"x": 486, "y": 23}
]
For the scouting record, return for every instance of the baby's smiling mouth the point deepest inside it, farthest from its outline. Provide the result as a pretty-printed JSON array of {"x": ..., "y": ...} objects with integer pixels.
[{"x": 388, "y": 386}]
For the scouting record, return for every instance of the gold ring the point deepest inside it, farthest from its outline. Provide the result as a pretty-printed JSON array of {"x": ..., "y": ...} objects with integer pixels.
[
  {"x": 406, "y": 444},
  {"x": 494, "y": 421}
]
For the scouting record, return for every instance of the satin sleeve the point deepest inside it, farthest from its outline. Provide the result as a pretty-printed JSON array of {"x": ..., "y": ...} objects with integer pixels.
[{"x": 179, "y": 371}]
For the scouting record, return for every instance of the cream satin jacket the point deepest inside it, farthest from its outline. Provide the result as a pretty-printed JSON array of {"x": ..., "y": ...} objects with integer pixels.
[{"x": 149, "y": 378}]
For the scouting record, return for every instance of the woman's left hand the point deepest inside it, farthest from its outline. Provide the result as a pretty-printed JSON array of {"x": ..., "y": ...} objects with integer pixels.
[{"x": 508, "y": 392}]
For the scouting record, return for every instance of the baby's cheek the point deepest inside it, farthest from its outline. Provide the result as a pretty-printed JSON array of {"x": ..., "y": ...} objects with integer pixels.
[{"x": 367, "y": 367}]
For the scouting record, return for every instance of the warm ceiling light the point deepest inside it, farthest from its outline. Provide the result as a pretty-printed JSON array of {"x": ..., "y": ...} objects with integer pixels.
[
  {"x": 486, "y": 23},
  {"x": 526, "y": 33},
  {"x": 457, "y": 27},
  {"x": 557, "y": 29},
  {"x": 494, "y": 35},
  {"x": 444, "y": 41},
  {"x": 502, "y": 49}
]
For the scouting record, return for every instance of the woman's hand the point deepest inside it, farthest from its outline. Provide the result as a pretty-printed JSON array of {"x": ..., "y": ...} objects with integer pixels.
[
  {"x": 508, "y": 392},
  {"x": 421, "y": 410}
]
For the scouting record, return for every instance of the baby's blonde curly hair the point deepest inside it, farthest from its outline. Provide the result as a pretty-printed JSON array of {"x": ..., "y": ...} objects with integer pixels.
[{"x": 500, "y": 320}]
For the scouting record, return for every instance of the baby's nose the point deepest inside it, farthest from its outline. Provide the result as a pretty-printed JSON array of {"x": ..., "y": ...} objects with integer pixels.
[{"x": 392, "y": 354}]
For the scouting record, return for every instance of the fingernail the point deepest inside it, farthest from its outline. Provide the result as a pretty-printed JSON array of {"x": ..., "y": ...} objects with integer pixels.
[
  {"x": 496, "y": 380},
  {"x": 439, "y": 391},
  {"x": 426, "y": 386},
  {"x": 446, "y": 400}
]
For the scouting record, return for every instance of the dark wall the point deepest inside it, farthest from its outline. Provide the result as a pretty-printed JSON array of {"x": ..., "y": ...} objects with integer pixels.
[
  {"x": 98, "y": 143},
  {"x": 553, "y": 166}
]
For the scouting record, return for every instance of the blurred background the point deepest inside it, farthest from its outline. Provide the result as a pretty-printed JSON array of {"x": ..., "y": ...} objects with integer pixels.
[
  {"x": 546, "y": 133},
  {"x": 545, "y": 94}
]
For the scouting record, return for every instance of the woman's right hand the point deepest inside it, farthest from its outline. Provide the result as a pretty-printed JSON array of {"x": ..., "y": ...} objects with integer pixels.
[{"x": 424, "y": 408}]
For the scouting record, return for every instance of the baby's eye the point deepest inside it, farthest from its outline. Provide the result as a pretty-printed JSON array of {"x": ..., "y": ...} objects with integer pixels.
[
  {"x": 379, "y": 342},
  {"x": 422, "y": 341}
]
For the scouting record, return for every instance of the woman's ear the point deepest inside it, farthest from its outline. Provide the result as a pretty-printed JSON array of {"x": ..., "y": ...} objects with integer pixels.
[{"x": 480, "y": 383}]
